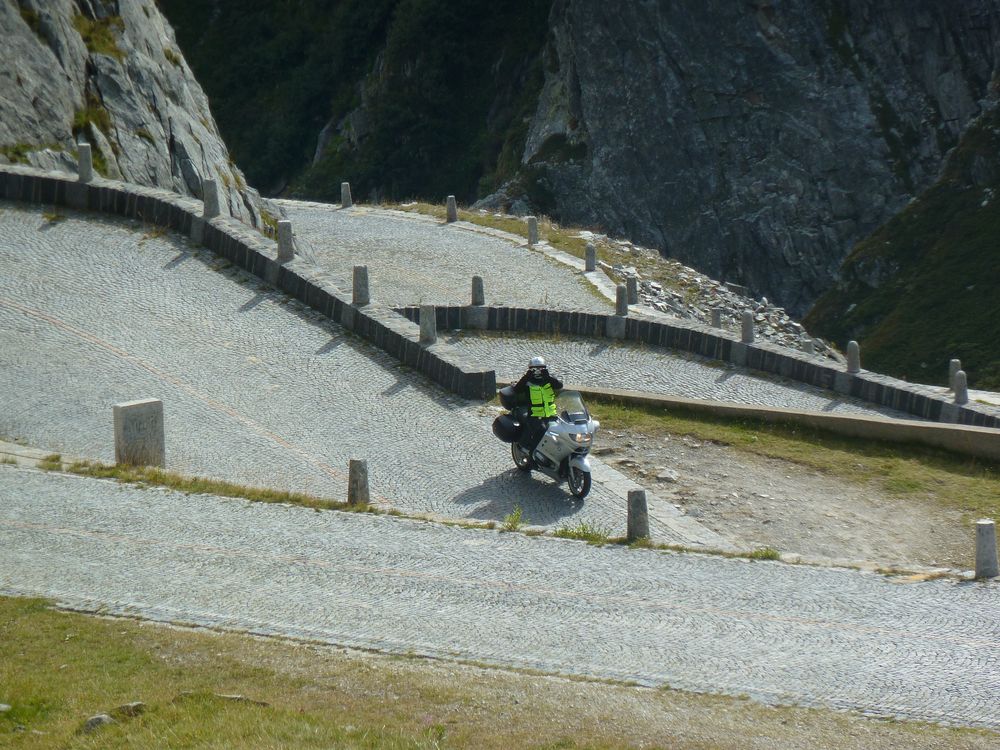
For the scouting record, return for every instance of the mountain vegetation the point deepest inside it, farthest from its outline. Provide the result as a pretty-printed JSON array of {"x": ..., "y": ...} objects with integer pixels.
[
  {"x": 400, "y": 97},
  {"x": 925, "y": 287}
]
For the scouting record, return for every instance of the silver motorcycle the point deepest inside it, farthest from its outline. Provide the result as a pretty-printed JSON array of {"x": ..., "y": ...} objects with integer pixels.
[{"x": 563, "y": 451}]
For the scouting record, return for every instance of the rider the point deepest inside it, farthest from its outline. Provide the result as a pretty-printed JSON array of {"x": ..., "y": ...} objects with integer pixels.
[{"x": 537, "y": 388}]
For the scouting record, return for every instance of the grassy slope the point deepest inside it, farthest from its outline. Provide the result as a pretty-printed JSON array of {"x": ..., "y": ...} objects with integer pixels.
[
  {"x": 926, "y": 286},
  {"x": 57, "y": 669}
]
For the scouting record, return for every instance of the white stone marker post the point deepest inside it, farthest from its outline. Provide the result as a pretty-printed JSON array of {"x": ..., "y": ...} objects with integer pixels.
[
  {"x": 357, "y": 482},
  {"x": 84, "y": 163},
  {"x": 961, "y": 388},
  {"x": 632, "y": 285},
  {"x": 638, "y": 516},
  {"x": 621, "y": 300},
  {"x": 532, "y": 231},
  {"x": 428, "y": 325},
  {"x": 591, "y": 260},
  {"x": 361, "y": 296},
  {"x": 139, "y": 437},
  {"x": 986, "y": 549},
  {"x": 286, "y": 249},
  {"x": 210, "y": 197},
  {"x": 345, "y": 195},
  {"x": 478, "y": 291},
  {"x": 451, "y": 209},
  {"x": 953, "y": 367},
  {"x": 747, "y": 327},
  {"x": 853, "y": 357}
]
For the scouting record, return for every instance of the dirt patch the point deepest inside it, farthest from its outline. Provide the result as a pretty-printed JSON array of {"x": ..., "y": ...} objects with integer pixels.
[{"x": 761, "y": 502}]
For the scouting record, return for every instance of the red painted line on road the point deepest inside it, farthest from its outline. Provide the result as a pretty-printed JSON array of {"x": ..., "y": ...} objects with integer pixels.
[{"x": 187, "y": 388}]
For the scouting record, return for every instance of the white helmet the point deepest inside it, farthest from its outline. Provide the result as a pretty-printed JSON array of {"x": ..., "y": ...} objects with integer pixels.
[
  {"x": 537, "y": 366},
  {"x": 537, "y": 362}
]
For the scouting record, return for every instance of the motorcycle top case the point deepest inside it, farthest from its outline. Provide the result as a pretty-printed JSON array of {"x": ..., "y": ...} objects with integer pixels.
[{"x": 505, "y": 428}]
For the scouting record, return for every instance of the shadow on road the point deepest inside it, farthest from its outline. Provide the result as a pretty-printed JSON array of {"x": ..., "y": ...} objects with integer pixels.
[{"x": 542, "y": 501}]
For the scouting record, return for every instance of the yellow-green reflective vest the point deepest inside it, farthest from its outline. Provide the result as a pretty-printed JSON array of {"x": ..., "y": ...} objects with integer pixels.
[{"x": 543, "y": 400}]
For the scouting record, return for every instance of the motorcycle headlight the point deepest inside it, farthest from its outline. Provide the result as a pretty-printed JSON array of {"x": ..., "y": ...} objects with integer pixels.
[{"x": 582, "y": 438}]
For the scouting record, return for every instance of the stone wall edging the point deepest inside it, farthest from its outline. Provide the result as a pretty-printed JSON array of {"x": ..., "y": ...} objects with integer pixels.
[
  {"x": 697, "y": 338},
  {"x": 251, "y": 251},
  {"x": 968, "y": 440}
]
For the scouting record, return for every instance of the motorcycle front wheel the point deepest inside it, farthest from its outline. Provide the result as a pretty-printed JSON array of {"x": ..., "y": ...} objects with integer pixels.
[
  {"x": 522, "y": 459},
  {"x": 579, "y": 482}
]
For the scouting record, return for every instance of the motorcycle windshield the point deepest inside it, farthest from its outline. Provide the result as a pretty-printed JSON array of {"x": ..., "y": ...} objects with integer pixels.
[{"x": 570, "y": 406}]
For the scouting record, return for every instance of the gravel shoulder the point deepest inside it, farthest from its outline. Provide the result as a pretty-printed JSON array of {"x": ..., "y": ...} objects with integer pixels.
[{"x": 762, "y": 502}]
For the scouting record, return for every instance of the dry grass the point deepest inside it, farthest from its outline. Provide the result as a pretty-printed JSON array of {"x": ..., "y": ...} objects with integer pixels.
[
  {"x": 968, "y": 484},
  {"x": 57, "y": 669}
]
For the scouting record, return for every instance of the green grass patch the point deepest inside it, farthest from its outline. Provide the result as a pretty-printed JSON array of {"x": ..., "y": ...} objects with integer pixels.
[
  {"x": 145, "y": 135},
  {"x": 100, "y": 35},
  {"x": 151, "y": 475},
  {"x": 513, "y": 520},
  {"x": 51, "y": 462},
  {"x": 585, "y": 532},
  {"x": 967, "y": 484},
  {"x": 8, "y": 460}
]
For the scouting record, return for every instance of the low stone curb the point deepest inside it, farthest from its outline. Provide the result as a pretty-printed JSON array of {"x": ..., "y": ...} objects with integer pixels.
[
  {"x": 690, "y": 336},
  {"x": 251, "y": 251}
]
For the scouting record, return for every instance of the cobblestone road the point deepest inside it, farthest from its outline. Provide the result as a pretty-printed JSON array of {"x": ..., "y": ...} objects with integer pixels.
[
  {"x": 605, "y": 364},
  {"x": 779, "y": 633},
  {"x": 413, "y": 259},
  {"x": 256, "y": 389}
]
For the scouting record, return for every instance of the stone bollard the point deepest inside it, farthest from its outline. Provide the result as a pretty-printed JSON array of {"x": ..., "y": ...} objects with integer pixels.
[
  {"x": 953, "y": 367},
  {"x": 621, "y": 300},
  {"x": 532, "y": 231},
  {"x": 139, "y": 437},
  {"x": 638, "y": 516},
  {"x": 961, "y": 388},
  {"x": 85, "y": 162},
  {"x": 716, "y": 317},
  {"x": 986, "y": 549},
  {"x": 286, "y": 250},
  {"x": 452, "y": 209},
  {"x": 345, "y": 195},
  {"x": 478, "y": 292},
  {"x": 210, "y": 196},
  {"x": 808, "y": 346},
  {"x": 428, "y": 325},
  {"x": 632, "y": 286},
  {"x": 361, "y": 296},
  {"x": 591, "y": 259},
  {"x": 853, "y": 357},
  {"x": 747, "y": 327},
  {"x": 357, "y": 482}
]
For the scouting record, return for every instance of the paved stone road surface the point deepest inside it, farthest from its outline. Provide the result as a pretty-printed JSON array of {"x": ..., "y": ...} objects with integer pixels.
[
  {"x": 596, "y": 363},
  {"x": 413, "y": 259},
  {"x": 256, "y": 389},
  {"x": 795, "y": 634}
]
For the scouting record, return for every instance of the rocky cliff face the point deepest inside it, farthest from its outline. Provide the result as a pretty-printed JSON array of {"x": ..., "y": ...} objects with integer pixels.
[
  {"x": 109, "y": 73},
  {"x": 757, "y": 141}
]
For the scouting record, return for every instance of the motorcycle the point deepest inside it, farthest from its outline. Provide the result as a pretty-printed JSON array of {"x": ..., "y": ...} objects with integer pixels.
[{"x": 562, "y": 452}]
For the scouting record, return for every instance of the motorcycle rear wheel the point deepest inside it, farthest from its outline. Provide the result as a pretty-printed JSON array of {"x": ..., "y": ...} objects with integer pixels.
[
  {"x": 579, "y": 482},
  {"x": 522, "y": 459}
]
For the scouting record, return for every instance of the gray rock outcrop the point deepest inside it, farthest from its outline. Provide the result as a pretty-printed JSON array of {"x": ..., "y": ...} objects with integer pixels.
[
  {"x": 757, "y": 141},
  {"x": 110, "y": 73}
]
